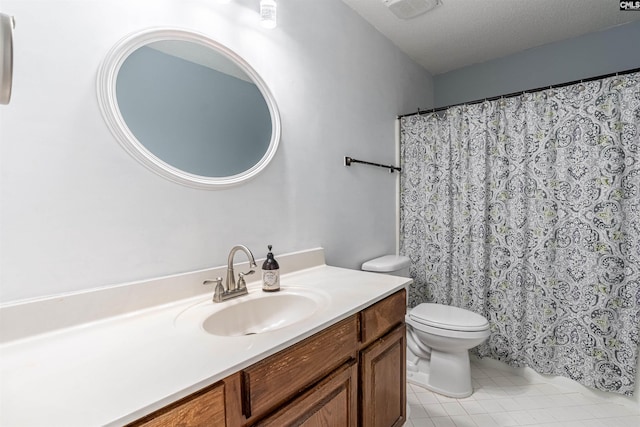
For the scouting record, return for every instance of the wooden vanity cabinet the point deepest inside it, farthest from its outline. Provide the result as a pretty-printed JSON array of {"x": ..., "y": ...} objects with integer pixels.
[{"x": 350, "y": 374}]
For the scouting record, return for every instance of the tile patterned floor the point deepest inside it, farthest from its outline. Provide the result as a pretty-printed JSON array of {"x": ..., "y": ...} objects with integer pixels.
[{"x": 505, "y": 399}]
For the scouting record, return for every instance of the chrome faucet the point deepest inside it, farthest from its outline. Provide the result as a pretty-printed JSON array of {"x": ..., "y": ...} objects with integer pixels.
[
  {"x": 231, "y": 281},
  {"x": 232, "y": 290}
]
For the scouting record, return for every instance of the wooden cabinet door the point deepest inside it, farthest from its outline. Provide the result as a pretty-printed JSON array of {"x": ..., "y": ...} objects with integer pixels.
[
  {"x": 331, "y": 403},
  {"x": 203, "y": 408},
  {"x": 383, "y": 381}
]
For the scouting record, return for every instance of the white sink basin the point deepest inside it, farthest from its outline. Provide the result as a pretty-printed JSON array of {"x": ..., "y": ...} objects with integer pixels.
[{"x": 256, "y": 313}]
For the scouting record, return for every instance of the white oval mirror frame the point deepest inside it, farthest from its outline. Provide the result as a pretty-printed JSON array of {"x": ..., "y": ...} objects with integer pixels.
[
  {"x": 106, "y": 89},
  {"x": 7, "y": 24}
]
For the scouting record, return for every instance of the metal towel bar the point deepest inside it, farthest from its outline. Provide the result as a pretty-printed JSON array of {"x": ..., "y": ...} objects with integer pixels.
[{"x": 349, "y": 160}]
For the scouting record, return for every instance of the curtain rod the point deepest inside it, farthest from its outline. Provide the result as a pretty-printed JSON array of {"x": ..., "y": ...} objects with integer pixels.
[{"x": 511, "y": 95}]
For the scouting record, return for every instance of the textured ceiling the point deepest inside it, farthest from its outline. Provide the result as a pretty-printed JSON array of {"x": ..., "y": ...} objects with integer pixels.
[{"x": 458, "y": 33}]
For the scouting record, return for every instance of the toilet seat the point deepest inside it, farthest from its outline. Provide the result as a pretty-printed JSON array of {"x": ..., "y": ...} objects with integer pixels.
[{"x": 448, "y": 317}]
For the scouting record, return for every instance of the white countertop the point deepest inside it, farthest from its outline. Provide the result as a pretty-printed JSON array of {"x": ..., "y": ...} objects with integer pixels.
[{"x": 116, "y": 369}]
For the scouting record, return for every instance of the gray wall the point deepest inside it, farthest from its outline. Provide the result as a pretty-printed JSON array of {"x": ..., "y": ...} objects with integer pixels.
[
  {"x": 77, "y": 212},
  {"x": 604, "y": 52}
]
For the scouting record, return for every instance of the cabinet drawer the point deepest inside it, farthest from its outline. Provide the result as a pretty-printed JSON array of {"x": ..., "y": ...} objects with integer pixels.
[
  {"x": 278, "y": 378},
  {"x": 203, "y": 408},
  {"x": 332, "y": 402},
  {"x": 383, "y": 316}
]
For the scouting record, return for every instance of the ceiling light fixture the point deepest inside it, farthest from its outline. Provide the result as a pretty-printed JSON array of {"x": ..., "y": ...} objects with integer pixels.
[
  {"x": 268, "y": 13},
  {"x": 407, "y": 9}
]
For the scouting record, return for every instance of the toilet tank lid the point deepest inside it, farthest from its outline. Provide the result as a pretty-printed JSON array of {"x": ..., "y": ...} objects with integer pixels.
[{"x": 387, "y": 263}]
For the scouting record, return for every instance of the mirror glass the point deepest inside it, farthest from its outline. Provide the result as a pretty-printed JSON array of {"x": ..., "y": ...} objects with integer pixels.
[{"x": 188, "y": 108}]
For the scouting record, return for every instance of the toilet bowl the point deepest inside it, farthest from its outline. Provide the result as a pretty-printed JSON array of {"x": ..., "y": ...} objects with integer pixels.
[
  {"x": 438, "y": 341},
  {"x": 439, "y": 338}
]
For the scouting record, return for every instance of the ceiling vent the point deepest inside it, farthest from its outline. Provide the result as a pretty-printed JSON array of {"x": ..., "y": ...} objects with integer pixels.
[{"x": 407, "y": 9}]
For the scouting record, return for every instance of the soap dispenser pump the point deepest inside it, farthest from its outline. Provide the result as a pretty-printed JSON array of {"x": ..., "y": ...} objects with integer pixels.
[{"x": 270, "y": 273}]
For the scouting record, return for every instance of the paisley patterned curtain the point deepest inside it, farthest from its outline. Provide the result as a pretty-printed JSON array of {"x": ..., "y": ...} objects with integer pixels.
[{"x": 527, "y": 211}]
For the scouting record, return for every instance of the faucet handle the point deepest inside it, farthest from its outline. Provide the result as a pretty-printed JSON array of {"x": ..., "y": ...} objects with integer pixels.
[
  {"x": 241, "y": 283},
  {"x": 218, "y": 281},
  {"x": 218, "y": 290}
]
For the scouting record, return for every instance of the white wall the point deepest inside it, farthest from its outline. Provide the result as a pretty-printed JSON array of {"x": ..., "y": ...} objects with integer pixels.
[{"x": 77, "y": 212}]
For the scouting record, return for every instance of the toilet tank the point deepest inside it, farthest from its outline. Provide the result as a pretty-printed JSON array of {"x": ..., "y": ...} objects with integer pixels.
[{"x": 396, "y": 265}]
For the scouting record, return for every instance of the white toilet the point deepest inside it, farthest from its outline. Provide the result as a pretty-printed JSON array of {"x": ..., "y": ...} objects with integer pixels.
[
  {"x": 438, "y": 338},
  {"x": 438, "y": 341}
]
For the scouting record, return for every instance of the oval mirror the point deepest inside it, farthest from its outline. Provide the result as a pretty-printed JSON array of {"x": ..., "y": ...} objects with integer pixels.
[{"x": 188, "y": 108}]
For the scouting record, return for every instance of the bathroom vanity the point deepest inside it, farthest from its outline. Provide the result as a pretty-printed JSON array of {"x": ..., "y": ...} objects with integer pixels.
[
  {"x": 356, "y": 363},
  {"x": 153, "y": 359}
]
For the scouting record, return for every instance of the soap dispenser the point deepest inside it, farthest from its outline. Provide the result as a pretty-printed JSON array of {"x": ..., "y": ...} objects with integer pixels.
[{"x": 270, "y": 273}]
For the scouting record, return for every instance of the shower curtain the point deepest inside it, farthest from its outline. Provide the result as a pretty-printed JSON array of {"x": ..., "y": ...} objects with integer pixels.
[{"x": 527, "y": 210}]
